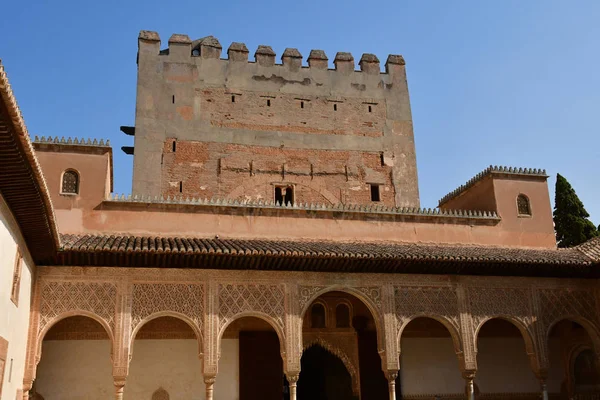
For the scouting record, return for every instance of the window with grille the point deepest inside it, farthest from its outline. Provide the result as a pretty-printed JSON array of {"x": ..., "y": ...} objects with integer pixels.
[
  {"x": 70, "y": 182},
  {"x": 523, "y": 205},
  {"x": 16, "y": 281}
]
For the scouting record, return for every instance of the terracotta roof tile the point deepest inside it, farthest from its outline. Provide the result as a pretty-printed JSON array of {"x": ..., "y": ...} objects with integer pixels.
[{"x": 314, "y": 252}]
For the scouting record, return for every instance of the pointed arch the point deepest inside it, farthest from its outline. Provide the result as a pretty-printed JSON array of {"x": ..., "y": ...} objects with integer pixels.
[
  {"x": 452, "y": 330},
  {"x": 352, "y": 369}
]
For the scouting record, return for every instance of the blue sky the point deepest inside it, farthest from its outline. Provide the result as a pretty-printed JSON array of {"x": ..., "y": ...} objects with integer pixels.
[{"x": 506, "y": 82}]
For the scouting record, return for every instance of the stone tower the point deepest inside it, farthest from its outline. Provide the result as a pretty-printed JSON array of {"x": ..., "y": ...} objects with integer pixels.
[{"x": 256, "y": 130}]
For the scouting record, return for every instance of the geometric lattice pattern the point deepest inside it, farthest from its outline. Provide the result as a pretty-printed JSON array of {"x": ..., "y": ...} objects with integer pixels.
[
  {"x": 95, "y": 297},
  {"x": 487, "y": 302},
  {"x": 238, "y": 298},
  {"x": 183, "y": 298},
  {"x": 426, "y": 301},
  {"x": 557, "y": 304}
]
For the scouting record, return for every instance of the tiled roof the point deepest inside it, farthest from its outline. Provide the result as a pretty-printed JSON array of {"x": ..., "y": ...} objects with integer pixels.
[
  {"x": 321, "y": 255},
  {"x": 591, "y": 248},
  {"x": 493, "y": 169},
  {"x": 22, "y": 184}
]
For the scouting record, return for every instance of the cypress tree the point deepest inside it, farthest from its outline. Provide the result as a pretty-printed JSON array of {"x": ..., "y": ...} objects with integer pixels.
[{"x": 570, "y": 217}]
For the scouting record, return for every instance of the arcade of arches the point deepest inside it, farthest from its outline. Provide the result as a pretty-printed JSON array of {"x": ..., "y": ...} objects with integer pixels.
[{"x": 275, "y": 338}]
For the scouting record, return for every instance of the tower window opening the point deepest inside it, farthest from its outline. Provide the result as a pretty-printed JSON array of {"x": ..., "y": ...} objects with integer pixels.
[
  {"x": 269, "y": 103},
  {"x": 523, "y": 206},
  {"x": 301, "y": 104},
  {"x": 284, "y": 195},
  {"x": 174, "y": 146},
  {"x": 233, "y": 99},
  {"x": 382, "y": 159},
  {"x": 70, "y": 182},
  {"x": 370, "y": 109},
  {"x": 173, "y": 99},
  {"x": 335, "y": 107},
  {"x": 375, "y": 195},
  {"x": 180, "y": 186}
]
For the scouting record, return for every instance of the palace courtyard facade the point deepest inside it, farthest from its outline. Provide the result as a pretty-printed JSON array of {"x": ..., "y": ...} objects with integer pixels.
[{"x": 274, "y": 247}]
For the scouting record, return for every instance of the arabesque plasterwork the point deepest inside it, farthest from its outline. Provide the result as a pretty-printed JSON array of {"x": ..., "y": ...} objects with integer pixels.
[{"x": 210, "y": 299}]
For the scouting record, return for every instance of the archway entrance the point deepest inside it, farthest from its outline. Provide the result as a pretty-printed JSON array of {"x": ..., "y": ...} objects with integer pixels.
[
  {"x": 338, "y": 331},
  {"x": 324, "y": 376},
  {"x": 428, "y": 363},
  {"x": 574, "y": 370},
  {"x": 250, "y": 365},
  {"x": 164, "y": 362},
  {"x": 75, "y": 362},
  {"x": 502, "y": 362}
]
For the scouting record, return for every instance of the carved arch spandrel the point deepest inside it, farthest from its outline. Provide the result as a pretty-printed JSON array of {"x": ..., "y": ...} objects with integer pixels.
[
  {"x": 263, "y": 299},
  {"x": 180, "y": 300},
  {"x": 576, "y": 305},
  {"x": 514, "y": 305},
  {"x": 436, "y": 302}
]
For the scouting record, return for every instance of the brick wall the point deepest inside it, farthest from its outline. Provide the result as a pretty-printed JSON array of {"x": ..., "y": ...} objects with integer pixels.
[{"x": 200, "y": 169}]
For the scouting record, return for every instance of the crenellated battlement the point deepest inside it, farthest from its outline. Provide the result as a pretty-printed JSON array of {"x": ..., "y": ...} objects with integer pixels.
[
  {"x": 180, "y": 45},
  {"x": 202, "y": 108}
]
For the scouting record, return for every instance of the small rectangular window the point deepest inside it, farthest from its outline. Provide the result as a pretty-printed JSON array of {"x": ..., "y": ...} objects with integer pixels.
[
  {"x": 284, "y": 195},
  {"x": 16, "y": 282},
  {"x": 335, "y": 107},
  {"x": 375, "y": 195},
  {"x": 369, "y": 108},
  {"x": 268, "y": 103},
  {"x": 233, "y": 99},
  {"x": 173, "y": 99},
  {"x": 180, "y": 186},
  {"x": 301, "y": 104},
  {"x": 174, "y": 146}
]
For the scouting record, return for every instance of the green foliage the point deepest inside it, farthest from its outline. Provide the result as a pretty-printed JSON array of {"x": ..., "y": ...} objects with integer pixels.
[{"x": 570, "y": 217}]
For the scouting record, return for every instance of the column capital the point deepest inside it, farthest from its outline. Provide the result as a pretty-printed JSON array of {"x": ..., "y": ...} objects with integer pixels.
[
  {"x": 392, "y": 374},
  {"x": 469, "y": 374},
  {"x": 292, "y": 376}
]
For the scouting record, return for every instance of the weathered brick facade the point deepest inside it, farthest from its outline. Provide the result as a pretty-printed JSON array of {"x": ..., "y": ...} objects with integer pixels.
[{"x": 229, "y": 128}]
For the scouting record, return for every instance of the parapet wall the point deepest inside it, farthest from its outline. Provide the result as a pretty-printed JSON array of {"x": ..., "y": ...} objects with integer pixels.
[{"x": 188, "y": 93}]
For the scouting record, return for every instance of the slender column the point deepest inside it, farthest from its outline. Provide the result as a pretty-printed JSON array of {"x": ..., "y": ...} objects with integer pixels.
[
  {"x": 209, "y": 381},
  {"x": 293, "y": 381},
  {"x": 544, "y": 388},
  {"x": 119, "y": 388},
  {"x": 470, "y": 380},
  {"x": 392, "y": 374}
]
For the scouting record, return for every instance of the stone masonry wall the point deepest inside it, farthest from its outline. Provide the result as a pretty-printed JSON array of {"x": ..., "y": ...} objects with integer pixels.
[
  {"x": 242, "y": 127},
  {"x": 221, "y": 170}
]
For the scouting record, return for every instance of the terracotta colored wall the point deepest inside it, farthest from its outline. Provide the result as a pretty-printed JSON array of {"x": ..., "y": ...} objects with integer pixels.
[
  {"x": 287, "y": 224},
  {"x": 481, "y": 196},
  {"x": 537, "y": 228},
  {"x": 93, "y": 172}
]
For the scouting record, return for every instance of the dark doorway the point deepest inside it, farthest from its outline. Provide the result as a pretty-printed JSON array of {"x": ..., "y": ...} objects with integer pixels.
[
  {"x": 323, "y": 377},
  {"x": 261, "y": 367}
]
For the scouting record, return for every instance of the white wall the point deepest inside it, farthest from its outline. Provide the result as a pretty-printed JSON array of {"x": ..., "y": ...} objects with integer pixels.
[
  {"x": 430, "y": 366},
  {"x": 81, "y": 370},
  {"x": 14, "y": 321},
  {"x": 75, "y": 370}
]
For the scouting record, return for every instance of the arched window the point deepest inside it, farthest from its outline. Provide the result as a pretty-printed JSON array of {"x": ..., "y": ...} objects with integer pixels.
[
  {"x": 70, "y": 182},
  {"x": 317, "y": 316},
  {"x": 523, "y": 206},
  {"x": 160, "y": 394},
  {"x": 342, "y": 316}
]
